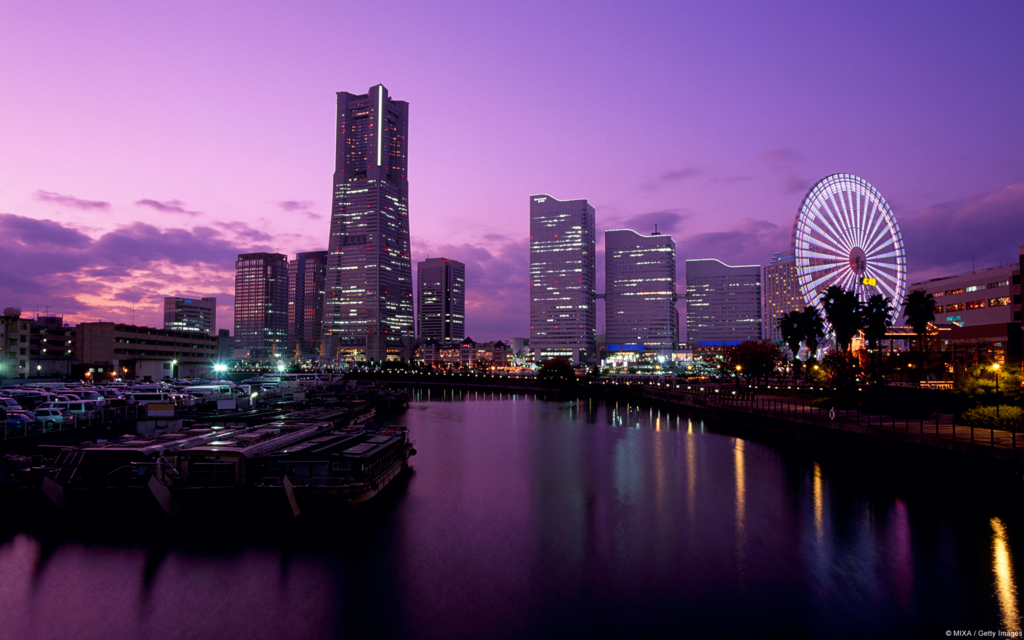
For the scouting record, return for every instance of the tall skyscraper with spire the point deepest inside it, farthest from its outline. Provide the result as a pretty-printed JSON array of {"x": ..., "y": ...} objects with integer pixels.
[{"x": 368, "y": 305}]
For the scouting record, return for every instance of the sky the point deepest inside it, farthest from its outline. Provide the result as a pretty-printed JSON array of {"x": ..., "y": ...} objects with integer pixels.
[{"x": 144, "y": 145}]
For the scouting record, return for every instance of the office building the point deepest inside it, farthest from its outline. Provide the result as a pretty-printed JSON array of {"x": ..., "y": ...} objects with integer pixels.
[
  {"x": 982, "y": 310},
  {"x": 563, "y": 309},
  {"x": 225, "y": 345},
  {"x": 190, "y": 314},
  {"x": 108, "y": 350},
  {"x": 307, "y": 276},
  {"x": 441, "y": 299},
  {"x": 368, "y": 308},
  {"x": 640, "y": 291},
  {"x": 781, "y": 292},
  {"x": 261, "y": 305},
  {"x": 723, "y": 304}
]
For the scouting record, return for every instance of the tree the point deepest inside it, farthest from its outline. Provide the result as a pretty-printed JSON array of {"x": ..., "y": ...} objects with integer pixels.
[
  {"x": 557, "y": 370},
  {"x": 812, "y": 327},
  {"x": 792, "y": 334},
  {"x": 877, "y": 317},
  {"x": 844, "y": 312},
  {"x": 755, "y": 358},
  {"x": 919, "y": 311}
]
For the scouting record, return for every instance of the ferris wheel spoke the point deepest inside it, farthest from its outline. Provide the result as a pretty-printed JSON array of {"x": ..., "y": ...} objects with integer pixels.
[
  {"x": 843, "y": 224},
  {"x": 833, "y": 232},
  {"x": 862, "y": 217},
  {"x": 881, "y": 256},
  {"x": 877, "y": 230},
  {"x": 851, "y": 225},
  {"x": 875, "y": 250},
  {"x": 821, "y": 242}
]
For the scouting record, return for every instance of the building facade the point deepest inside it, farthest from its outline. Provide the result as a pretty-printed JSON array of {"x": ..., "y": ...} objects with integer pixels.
[
  {"x": 368, "y": 309},
  {"x": 563, "y": 295},
  {"x": 640, "y": 291},
  {"x": 441, "y": 299},
  {"x": 781, "y": 292},
  {"x": 107, "y": 350},
  {"x": 307, "y": 277},
  {"x": 261, "y": 304},
  {"x": 190, "y": 314},
  {"x": 723, "y": 304}
]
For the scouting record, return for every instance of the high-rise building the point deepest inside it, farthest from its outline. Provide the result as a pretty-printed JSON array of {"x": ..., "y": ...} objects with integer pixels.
[
  {"x": 640, "y": 289},
  {"x": 307, "y": 275},
  {"x": 368, "y": 307},
  {"x": 563, "y": 307},
  {"x": 190, "y": 314},
  {"x": 781, "y": 292},
  {"x": 441, "y": 299},
  {"x": 723, "y": 304},
  {"x": 261, "y": 304}
]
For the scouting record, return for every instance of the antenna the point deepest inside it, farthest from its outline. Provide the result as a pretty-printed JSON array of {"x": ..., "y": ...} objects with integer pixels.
[{"x": 655, "y": 230}]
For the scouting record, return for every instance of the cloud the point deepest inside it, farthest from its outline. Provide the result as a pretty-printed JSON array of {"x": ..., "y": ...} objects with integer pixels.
[
  {"x": 294, "y": 205},
  {"x": 673, "y": 176},
  {"x": 947, "y": 237},
  {"x": 781, "y": 159},
  {"x": 749, "y": 241},
  {"x": 497, "y": 285},
  {"x": 52, "y": 265},
  {"x": 797, "y": 185},
  {"x": 170, "y": 206},
  {"x": 312, "y": 216},
  {"x": 668, "y": 221},
  {"x": 71, "y": 201}
]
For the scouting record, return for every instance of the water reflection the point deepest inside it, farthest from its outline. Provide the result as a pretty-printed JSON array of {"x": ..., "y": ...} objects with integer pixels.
[
  {"x": 1006, "y": 589},
  {"x": 819, "y": 508},
  {"x": 741, "y": 510}
]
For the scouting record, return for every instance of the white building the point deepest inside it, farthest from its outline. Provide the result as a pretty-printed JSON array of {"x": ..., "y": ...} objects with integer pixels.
[
  {"x": 563, "y": 295},
  {"x": 640, "y": 289},
  {"x": 190, "y": 314}
]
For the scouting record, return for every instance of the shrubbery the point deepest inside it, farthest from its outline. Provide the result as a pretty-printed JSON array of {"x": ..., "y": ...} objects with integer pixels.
[{"x": 1002, "y": 417}]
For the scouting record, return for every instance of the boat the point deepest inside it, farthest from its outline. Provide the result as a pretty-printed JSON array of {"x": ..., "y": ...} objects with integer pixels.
[{"x": 335, "y": 469}]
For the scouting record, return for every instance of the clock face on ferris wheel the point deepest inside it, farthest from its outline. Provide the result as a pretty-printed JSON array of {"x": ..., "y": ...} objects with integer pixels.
[{"x": 846, "y": 235}]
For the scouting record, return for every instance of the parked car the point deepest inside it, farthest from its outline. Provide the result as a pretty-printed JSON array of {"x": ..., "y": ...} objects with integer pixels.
[
  {"x": 9, "y": 403},
  {"x": 18, "y": 422},
  {"x": 54, "y": 418}
]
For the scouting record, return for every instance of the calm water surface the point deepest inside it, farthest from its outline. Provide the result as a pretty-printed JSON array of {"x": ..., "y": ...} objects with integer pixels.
[{"x": 530, "y": 518}]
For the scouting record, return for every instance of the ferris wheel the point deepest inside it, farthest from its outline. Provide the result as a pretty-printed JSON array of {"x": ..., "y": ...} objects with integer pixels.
[{"x": 846, "y": 235}]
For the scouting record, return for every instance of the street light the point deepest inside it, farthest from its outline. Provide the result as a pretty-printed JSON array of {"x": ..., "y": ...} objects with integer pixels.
[{"x": 995, "y": 367}]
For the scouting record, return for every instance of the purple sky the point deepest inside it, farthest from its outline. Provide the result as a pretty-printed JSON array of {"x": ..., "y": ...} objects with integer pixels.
[{"x": 143, "y": 146}]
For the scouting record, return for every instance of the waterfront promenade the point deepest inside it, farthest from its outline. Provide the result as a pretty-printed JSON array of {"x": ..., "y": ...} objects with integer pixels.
[{"x": 767, "y": 409}]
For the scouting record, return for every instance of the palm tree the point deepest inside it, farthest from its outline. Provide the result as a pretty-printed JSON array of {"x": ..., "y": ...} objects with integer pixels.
[
  {"x": 812, "y": 327},
  {"x": 877, "y": 320},
  {"x": 792, "y": 333},
  {"x": 845, "y": 314},
  {"x": 918, "y": 311}
]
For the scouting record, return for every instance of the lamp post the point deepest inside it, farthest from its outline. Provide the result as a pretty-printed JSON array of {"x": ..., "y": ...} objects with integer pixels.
[{"x": 995, "y": 367}]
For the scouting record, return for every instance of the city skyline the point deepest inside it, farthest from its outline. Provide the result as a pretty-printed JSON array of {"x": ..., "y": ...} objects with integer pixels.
[{"x": 921, "y": 101}]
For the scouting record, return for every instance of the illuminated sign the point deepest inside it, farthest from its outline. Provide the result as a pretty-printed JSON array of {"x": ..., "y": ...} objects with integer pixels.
[
  {"x": 539, "y": 199},
  {"x": 869, "y": 281},
  {"x": 952, "y": 318}
]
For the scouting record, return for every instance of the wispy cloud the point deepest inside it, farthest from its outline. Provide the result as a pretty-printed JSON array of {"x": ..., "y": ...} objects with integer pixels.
[
  {"x": 168, "y": 206},
  {"x": 669, "y": 177},
  {"x": 71, "y": 201},
  {"x": 668, "y": 221},
  {"x": 294, "y": 205}
]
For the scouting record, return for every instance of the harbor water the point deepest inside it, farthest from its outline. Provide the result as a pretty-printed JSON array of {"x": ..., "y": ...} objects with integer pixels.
[{"x": 538, "y": 518}]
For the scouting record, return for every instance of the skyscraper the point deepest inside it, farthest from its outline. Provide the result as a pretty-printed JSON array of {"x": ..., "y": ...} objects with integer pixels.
[
  {"x": 190, "y": 314},
  {"x": 368, "y": 306},
  {"x": 640, "y": 286},
  {"x": 563, "y": 309},
  {"x": 261, "y": 304},
  {"x": 306, "y": 277},
  {"x": 723, "y": 304},
  {"x": 781, "y": 292},
  {"x": 441, "y": 299}
]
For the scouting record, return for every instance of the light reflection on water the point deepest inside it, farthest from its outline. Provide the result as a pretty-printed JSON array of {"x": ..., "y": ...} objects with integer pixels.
[
  {"x": 1006, "y": 588},
  {"x": 527, "y": 518}
]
